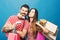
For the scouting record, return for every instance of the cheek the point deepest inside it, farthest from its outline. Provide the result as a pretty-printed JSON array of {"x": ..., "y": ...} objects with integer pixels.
[
  {"x": 26, "y": 13},
  {"x": 31, "y": 15},
  {"x": 21, "y": 11}
]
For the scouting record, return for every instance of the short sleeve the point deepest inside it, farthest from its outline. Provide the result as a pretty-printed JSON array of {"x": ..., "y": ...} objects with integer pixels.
[
  {"x": 8, "y": 20},
  {"x": 11, "y": 19}
]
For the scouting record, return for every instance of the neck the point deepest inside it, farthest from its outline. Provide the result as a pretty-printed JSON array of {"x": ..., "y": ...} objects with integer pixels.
[{"x": 31, "y": 19}]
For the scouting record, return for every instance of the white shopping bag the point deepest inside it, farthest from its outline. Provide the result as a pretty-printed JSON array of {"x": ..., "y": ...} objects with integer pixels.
[{"x": 51, "y": 27}]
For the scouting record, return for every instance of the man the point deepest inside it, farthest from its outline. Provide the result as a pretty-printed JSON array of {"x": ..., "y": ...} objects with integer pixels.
[{"x": 19, "y": 21}]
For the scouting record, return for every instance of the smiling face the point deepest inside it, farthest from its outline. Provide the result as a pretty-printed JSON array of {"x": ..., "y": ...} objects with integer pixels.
[
  {"x": 24, "y": 11},
  {"x": 32, "y": 13}
]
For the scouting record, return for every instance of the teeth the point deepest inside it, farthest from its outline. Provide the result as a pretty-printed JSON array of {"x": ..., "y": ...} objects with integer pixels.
[
  {"x": 23, "y": 17},
  {"x": 18, "y": 22}
]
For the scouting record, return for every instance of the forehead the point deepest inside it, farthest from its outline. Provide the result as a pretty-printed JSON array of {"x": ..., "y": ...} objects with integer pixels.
[
  {"x": 24, "y": 8},
  {"x": 33, "y": 10}
]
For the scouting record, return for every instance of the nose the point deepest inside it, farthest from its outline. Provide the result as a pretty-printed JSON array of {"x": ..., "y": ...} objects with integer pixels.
[{"x": 23, "y": 11}]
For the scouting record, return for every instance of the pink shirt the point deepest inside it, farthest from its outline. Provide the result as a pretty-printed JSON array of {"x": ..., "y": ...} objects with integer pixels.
[{"x": 24, "y": 24}]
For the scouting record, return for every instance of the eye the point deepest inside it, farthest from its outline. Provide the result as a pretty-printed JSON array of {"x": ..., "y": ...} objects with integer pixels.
[
  {"x": 22, "y": 10},
  {"x": 26, "y": 11},
  {"x": 33, "y": 12}
]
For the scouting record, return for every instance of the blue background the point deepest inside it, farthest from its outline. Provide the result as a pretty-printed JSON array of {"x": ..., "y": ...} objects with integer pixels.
[{"x": 48, "y": 9}]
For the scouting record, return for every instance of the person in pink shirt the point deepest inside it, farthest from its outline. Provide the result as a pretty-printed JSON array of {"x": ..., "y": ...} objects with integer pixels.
[
  {"x": 18, "y": 21},
  {"x": 34, "y": 31}
]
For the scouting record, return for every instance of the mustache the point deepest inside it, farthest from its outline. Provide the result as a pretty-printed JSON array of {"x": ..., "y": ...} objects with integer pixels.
[{"x": 23, "y": 13}]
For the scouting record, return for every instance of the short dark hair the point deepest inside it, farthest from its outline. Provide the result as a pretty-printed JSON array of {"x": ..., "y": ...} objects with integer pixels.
[{"x": 25, "y": 5}]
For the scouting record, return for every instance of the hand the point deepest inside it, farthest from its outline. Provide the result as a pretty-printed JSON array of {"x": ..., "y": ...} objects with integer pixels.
[
  {"x": 45, "y": 30},
  {"x": 7, "y": 27}
]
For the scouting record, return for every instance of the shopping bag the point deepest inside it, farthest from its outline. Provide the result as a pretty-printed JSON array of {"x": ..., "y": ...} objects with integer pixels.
[
  {"x": 40, "y": 36},
  {"x": 13, "y": 36},
  {"x": 50, "y": 36},
  {"x": 52, "y": 28}
]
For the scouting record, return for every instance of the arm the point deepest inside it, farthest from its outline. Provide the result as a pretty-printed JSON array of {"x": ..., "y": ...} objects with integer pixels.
[
  {"x": 43, "y": 28},
  {"x": 8, "y": 26},
  {"x": 24, "y": 31}
]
